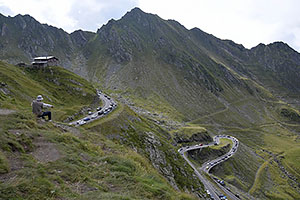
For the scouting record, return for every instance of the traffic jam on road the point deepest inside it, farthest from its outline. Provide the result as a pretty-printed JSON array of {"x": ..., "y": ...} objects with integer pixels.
[
  {"x": 109, "y": 105},
  {"x": 211, "y": 164},
  {"x": 214, "y": 193}
]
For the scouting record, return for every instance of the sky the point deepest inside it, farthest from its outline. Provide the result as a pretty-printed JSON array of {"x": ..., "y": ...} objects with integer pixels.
[{"x": 247, "y": 22}]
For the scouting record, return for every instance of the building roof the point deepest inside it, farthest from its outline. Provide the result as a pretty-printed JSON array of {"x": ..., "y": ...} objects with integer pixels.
[
  {"x": 45, "y": 58},
  {"x": 39, "y": 62}
]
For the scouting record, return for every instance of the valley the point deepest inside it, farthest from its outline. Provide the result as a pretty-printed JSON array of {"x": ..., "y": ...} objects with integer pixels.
[{"x": 161, "y": 87}]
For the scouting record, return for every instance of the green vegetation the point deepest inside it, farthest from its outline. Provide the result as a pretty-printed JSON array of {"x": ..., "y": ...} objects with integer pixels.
[
  {"x": 224, "y": 142},
  {"x": 187, "y": 81},
  {"x": 43, "y": 160},
  {"x": 191, "y": 130},
  {"x": 58, "y": 86},
  {"x": 290, "y": 113},
  {"x": 4, "y": 166}
]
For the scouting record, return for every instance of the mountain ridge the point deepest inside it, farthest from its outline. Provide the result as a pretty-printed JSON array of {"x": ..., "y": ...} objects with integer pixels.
[{"x": 184, "y": 79}]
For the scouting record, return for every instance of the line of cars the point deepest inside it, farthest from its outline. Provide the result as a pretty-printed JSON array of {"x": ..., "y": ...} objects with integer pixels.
[
  {"x": 108, "y": 107},
  {"x": 211, "y": 164},
  {"x": 214, "y": 162}
]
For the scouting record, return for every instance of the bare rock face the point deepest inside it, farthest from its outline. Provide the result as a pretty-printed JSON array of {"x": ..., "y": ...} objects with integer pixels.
[
  {"x": 158, "y": 158},
  {"x": 197, "y": 137}
]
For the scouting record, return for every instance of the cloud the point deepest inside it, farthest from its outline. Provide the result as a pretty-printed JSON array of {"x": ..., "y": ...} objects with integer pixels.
[
  {"x": 248, "y": 22},
  {"x": 51, "y": 12},
  {"x": 6, "y": 10},
  {"x": 69, "y": 14},
  {"x": 92, "y": 14}
]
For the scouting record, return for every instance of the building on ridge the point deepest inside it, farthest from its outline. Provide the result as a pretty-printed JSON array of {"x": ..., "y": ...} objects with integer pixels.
[{"x": 45, "y": 61}]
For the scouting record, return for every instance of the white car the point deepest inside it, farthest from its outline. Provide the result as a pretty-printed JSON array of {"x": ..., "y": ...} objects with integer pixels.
[{"x": 82, "y": 122}]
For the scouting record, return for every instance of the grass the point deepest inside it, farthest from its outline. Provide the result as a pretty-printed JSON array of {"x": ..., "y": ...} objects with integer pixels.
[
  {"x": 292, "y": 162},
  {"x": 190, "y": 130},
  {"x": 223, "y": 143},
  {"x": 87, "y": 164},
  {"x": 271, "y": 184},
  {"x": 4, "y": 165},
  {"x": 58, "y": 86}
]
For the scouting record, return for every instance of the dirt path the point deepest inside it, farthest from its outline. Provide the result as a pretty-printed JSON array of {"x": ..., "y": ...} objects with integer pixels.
[
  {"x": 6, "y": 111},
  {"x": 45, "y": 151}
]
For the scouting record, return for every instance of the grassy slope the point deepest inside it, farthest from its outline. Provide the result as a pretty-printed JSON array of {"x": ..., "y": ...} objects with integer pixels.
[
  {"x": 130, "y": 129},
  {"x": 66, "y": 91},
  {"x": 270, "y": 130},
  {"x": 41, "y": 161}
]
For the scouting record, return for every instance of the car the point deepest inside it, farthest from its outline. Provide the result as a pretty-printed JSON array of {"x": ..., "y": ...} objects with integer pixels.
[
  {"x": 100, "y": 113},
  {"x": 86, "y": 119},
  {"x": 82, "y": 122},
  {"x": 108, "y": 98},
  {"x": 223, "y": 197},
  {"x": 90, "y": 112},
  {"x": 222, "y": 183},
  {"x": 99, "y": 108},
  {"x": 200, "y": 144},
  {"x": 94, "y": 116},
  {"x": 207, "y": 191},
  {"x": 215, "y": 143}
]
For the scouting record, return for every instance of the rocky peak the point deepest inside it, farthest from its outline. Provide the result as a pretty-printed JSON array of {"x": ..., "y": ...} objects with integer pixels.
[{"x": 80, "y": 38}]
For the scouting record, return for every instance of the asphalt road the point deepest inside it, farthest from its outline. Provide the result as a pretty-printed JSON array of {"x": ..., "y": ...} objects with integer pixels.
[
  {"x": 214, "y": 193},
  {"x": 108, "y": 106}
]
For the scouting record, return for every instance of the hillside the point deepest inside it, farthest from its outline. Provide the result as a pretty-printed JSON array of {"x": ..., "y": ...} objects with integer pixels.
[
  {"x": 44, "y": 160},
  {"x": 177, "y": 87}
]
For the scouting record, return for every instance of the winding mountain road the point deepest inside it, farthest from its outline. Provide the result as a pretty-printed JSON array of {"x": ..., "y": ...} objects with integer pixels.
[
  {"x": 108, "y": 106},
  {"x": 207, "y": 166},
  {"x": 214, "y": 193}
]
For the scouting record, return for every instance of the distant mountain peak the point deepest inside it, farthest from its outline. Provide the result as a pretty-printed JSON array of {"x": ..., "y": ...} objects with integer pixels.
[
  {"x": 137, "y": 9},
  {"x": 137, "y": 13}
]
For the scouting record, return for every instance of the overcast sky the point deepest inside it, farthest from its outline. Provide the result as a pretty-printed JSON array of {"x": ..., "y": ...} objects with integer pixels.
[{"x": 248, "y": 22}]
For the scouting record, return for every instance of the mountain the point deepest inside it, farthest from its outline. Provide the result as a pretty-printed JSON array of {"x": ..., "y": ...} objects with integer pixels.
[
  {"x": 181, "y": 81},
  {"x": 23, "y": 38}
]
